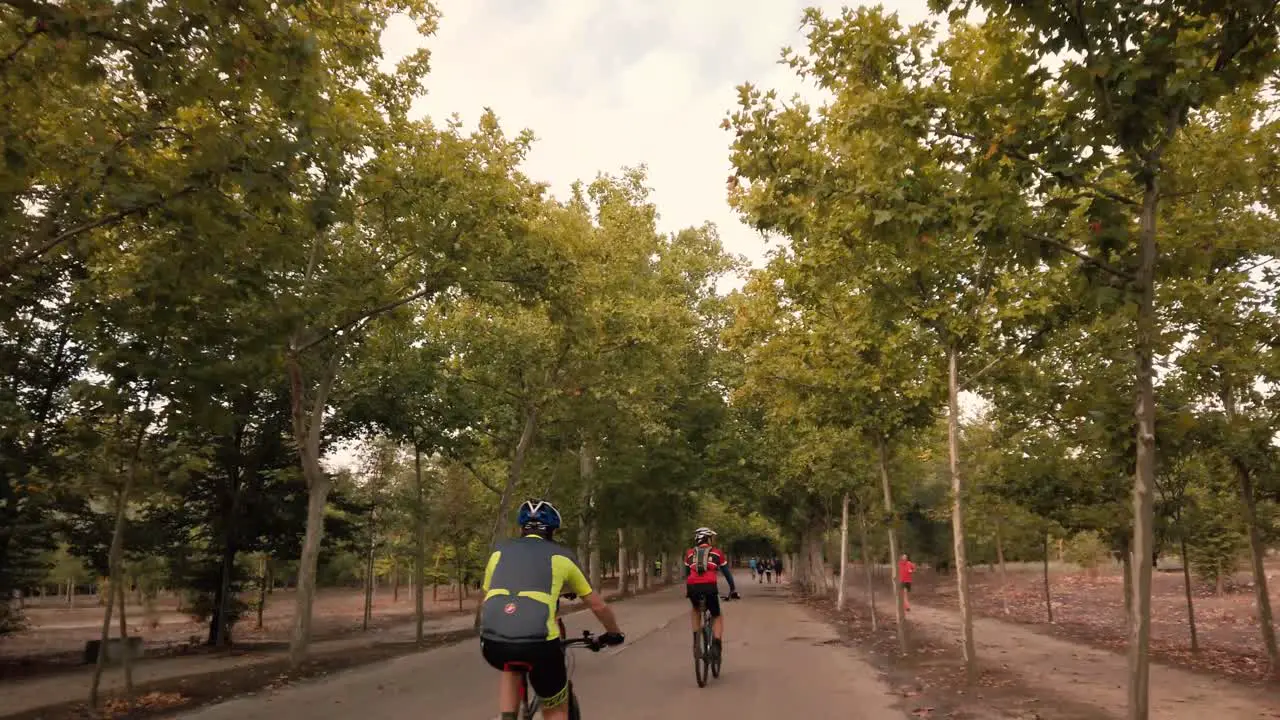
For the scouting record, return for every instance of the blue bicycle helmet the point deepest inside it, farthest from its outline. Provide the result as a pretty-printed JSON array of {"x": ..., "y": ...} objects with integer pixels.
[{"x": 539, "y": 515}]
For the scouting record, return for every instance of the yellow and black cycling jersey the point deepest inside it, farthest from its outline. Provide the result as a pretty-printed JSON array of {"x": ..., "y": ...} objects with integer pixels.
[{"x": 522, "y": 584}]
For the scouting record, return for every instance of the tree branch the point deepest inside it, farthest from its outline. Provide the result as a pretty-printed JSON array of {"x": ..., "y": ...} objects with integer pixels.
[
  {"x": 1014, "y": 152},
  {"x": 26, "y": 40},
  {"x": 972, "y": 378},
  {"x": 495, "y": 388},
  {"x": 1084, "y": 257},
  {"x": 65, "y": 235},
  {"x": 361, "y": 317},
  {"x": 492, "y": 488}
]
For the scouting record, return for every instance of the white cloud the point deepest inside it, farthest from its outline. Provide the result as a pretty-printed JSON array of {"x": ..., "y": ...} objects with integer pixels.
[{"x": 608, "y": 83}]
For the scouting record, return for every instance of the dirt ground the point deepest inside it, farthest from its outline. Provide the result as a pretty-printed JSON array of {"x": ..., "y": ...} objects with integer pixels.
[
  {"x": 1089, "y": 608},
  {"x": 1038, "y": 671},
  {"x": 56, "y": 634},
  {"x": 930, "y": 679},
  {"x": 165, "y": 685}
]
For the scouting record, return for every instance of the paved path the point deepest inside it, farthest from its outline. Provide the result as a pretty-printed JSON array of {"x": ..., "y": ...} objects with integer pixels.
[{"x": 784, "y": 667}]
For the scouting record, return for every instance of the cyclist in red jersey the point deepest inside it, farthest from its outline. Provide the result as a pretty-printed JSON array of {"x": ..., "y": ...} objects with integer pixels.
[{"x": 702, "y": 562}]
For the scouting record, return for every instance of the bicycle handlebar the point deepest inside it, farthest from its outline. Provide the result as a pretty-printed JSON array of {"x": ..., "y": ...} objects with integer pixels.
[{"x": 588, "y": 641}]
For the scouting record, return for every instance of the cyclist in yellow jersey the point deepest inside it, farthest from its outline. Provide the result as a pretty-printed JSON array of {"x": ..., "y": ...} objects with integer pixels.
[{"x": 519, "y": 633}]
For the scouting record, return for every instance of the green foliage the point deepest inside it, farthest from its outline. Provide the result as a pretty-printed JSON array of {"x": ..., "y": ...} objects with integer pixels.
[
  {"x": 1216, "y": 541},
  {"x": 1086, "y": 549}
]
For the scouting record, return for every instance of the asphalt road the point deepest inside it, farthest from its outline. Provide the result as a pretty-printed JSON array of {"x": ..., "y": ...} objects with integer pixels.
[{"x": 780, "y": 661}]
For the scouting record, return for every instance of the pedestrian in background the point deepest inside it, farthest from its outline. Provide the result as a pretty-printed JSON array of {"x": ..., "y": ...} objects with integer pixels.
[{"x": 906, "y": 569}]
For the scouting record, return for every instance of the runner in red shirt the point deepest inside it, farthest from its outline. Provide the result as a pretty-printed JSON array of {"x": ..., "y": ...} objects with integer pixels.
[
  {"x": 905, "y": 569},
  {"x": 702, "y": 564}
]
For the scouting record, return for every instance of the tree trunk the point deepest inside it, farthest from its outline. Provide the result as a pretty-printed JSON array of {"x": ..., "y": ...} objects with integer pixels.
[
  {"x": 868, "y": 568},
  {"x": 435, "y": 579},
  {"x": 317, "y": 497},
  {"x": 515, "y": 469},
  {"x": 899, "y": 608},
  {"x": 844, "y": 551},
  {"x": 1144, "y": 476},
  {"x": 457, "y": 573},
  {"x": 622, "y": 562},
  {"x": 587, "y": 551},
  {"x": 125, "y": 660},
  {"x": 1191, "y": 608},
  {"x": 1257, "y": 557},
  {"x": 1126, "y": 570},
  {"x": 368, "y": 585},
  {"x": 307, "y": 426},
  {"x": 262, "y": 588},
  {"x": 957, "y": 515},
  {"x": 395, "y": 579},
  {"x": 643, "y": 571},
  {"x": 219, "y": 624},
  {"x": 419, "y": 546},
  {"x": 115, "y": 557},
  {"x": 817, "y": 559},
  {"x": 1004, "y": 573},
  {"x": 584, "y": 550},
  {"x": 597, "y": 564},
  {"x": 809, "y": 569},
  {"x": 1048, "y": 598},
  {"x": 1257, "y": 549}
]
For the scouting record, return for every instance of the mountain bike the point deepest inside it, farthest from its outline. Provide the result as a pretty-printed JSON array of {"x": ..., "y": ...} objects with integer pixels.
[
  {"x": 705, "y": 658},
  {"x": 530, "y": 703}
]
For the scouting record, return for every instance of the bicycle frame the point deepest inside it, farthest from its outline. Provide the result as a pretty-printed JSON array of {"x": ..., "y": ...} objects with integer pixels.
[{"x": 530, "y": 703}]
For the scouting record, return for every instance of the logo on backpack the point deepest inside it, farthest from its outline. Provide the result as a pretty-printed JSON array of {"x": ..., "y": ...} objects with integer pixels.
[{"x": 510, "y": 609}]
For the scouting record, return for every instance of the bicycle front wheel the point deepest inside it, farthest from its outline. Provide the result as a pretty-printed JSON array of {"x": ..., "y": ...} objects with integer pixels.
[{"x": 575, "y": 713}]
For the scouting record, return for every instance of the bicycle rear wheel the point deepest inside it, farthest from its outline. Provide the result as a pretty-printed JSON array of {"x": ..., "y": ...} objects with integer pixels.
[
  {"x": 702, "y": 653},
  {"x": 531, "y": 703},
  {"x": 700, "y": 658}
]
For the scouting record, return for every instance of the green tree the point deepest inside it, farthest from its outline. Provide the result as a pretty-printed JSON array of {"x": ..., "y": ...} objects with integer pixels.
[{"x": 1136, "y": 72}]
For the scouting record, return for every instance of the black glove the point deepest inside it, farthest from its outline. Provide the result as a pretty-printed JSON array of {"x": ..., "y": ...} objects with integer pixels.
[{"x": 611, "y": 638}]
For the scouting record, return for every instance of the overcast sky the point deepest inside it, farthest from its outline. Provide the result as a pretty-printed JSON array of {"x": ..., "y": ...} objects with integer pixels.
[{"x": 608, "y": 83}]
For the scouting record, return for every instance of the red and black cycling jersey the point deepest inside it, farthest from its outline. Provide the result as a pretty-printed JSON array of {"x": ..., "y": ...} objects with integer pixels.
[{"x": 703, "y": 563}]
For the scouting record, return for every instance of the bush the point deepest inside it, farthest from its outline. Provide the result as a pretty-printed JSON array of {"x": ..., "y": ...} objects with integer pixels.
[
  {"x": 1216, "y": 538},
  {"x": 1087, "y": 550}
]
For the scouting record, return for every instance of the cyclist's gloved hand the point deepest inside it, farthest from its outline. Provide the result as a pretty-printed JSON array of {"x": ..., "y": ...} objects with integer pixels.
[{"x": 610, "y": 638}]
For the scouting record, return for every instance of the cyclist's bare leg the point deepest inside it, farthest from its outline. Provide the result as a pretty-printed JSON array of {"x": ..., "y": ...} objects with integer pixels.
[
  {"x": 696, "y": 617},
  {"x": 717, "y": 628},
  {"x": 560, "y": 712},
  {"x": 509, "y": 693}
]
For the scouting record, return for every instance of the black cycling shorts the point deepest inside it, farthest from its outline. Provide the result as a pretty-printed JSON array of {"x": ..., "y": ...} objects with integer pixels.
[
  {"x": 705, "y": 590},
  {"x": 544, "y": 661}
]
